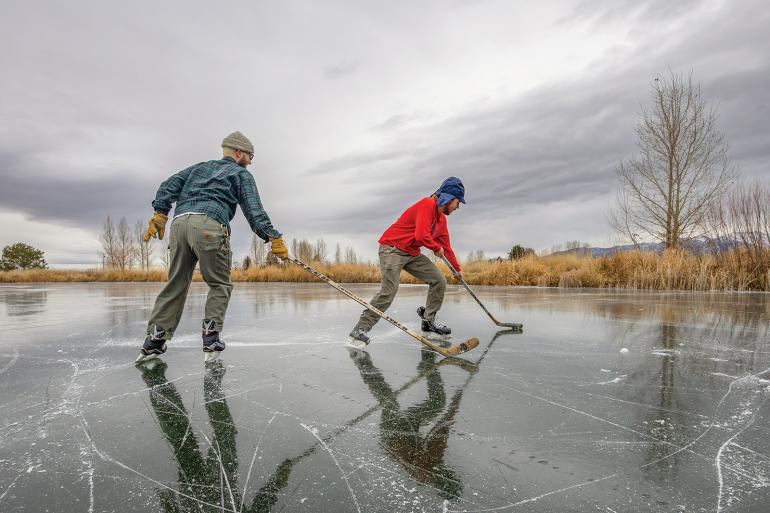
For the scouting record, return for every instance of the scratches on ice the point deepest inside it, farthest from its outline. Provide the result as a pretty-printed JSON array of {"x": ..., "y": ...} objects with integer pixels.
[
  {"x": 739, "y": 422},
  {"x": 253, "y": 459},
  {"x": 13, "y": 359},
  {"x": 314, "y": 431},
  {"x": 2, "y": 495},
  {"x": 735, "y": 425}
]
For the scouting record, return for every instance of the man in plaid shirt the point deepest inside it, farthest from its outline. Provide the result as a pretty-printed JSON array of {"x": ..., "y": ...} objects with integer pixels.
[{"x": 206, "y": 196}]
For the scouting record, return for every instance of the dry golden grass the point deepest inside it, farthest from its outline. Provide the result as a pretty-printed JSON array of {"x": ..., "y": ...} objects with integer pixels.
[
  {"x": 343, "y": 273},
  {"x": 68, "y": 275},
  {"x": 670, "y": 270}
]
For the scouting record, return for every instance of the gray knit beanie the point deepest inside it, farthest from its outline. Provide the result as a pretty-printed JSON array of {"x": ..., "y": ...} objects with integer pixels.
[{"x": 238, "y": 141}]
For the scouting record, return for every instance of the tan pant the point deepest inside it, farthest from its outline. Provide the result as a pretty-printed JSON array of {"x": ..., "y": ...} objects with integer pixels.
[
  {"x": 392, "y": 260},
  {"x": 194, "y": 238}
]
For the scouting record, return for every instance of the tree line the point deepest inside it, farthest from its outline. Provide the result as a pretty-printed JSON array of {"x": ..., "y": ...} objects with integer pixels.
[
  {"x": 302, "y": 249},
  {"x": 123, "y": 248}
]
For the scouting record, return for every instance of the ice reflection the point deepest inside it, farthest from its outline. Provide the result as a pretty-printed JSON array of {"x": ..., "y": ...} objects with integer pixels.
[
  {"x": 401, "y": 436},
  {"x": 24, "y": 302},
  {"x": 210, "y": 482},
  {"x": 736, "y": 312},
  {"x": 422, "y": 456}
]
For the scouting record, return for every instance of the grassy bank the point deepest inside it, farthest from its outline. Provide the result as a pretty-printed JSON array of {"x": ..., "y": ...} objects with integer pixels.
[{"x": 734, "y": 270}]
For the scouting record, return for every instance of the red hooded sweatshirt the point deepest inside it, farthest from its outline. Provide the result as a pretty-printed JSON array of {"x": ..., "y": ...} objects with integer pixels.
[{"x": 421, "y": 225}]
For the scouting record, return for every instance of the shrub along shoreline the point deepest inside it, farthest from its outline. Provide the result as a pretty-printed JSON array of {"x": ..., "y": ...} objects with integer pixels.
[{"x": 671, "y": 270}]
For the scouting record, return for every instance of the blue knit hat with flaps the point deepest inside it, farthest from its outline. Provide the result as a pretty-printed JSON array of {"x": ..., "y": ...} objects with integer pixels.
[{"x": 451, "y": 188}]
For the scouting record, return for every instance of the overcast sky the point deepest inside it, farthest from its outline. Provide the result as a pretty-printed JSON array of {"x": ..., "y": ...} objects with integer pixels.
[{"x": 357, "y": 109}]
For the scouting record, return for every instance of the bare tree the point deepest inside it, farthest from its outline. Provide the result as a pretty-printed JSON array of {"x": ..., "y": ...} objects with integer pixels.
[
  {"x": 572, "y": 245},
  {"x": 338, "y": 254},
  {"x": 350, "y": 255},
  {"x": 738, "y": 234},
  {"x": 749, "y": 208},
  {"x": 165, "y": 256},
  {"x": 475, "y": 256},
  {"x": 117, "y": 243},
  {"x": 124, "y": 248},
  {"x": 319, "y": 253},
  {"x": 258, "y": 251},
  {"x": 681, "y": 169},
  {"x": 143, "y": 250},
  {"x": 304, "y": 250},
  {"x": 107, "y": 239}
]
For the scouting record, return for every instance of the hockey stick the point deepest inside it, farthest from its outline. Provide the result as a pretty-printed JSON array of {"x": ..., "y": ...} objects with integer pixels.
[
  {"x": 512, "y": 325},
  {"x": 448, "y": 351}
]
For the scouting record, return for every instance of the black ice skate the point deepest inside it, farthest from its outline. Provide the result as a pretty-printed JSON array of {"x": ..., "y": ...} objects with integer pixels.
[
  {"x": 154, "y": 346},
  {"x": 358, "y": 338},
  {"x": 212, "y": 345},
  {"x": 431, "y": 326}
]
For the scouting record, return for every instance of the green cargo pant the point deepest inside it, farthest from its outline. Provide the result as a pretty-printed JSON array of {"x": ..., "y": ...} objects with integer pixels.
[
  {"x": 392, "y": 260},
  {"x": 194, "y": 238}
]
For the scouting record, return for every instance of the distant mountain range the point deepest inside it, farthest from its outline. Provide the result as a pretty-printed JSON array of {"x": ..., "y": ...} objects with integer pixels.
[{"x": 696, "y": 245}]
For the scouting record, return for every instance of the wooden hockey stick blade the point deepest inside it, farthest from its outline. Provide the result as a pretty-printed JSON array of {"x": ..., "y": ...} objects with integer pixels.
[
  {"x": 459, "y": 349},
  {"x": 513, "y": 325},
  {"x": 445, "y": 351}
]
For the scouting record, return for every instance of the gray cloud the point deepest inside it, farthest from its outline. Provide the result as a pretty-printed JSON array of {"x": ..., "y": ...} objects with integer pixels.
[
  {"x": 99, "y": 114},
  {"x": 601, "y": 12},
  {"x": 78, "y": 202},
  {"x": 561, "y": 144},
  {"x": 341, "y": 69}
]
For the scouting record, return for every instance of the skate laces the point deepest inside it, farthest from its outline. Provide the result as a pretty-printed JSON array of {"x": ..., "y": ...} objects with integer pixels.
[{"x": 157, "y": 334}]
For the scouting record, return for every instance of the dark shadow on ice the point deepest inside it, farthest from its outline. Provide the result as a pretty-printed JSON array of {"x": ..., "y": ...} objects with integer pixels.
[
  {"x": 207, "y": 483},
  {"x": 422, "y": 455}
]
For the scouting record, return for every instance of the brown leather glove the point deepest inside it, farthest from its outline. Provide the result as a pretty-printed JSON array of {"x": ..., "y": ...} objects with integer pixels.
[
  {"x": 156, "y": 227},
  {"x": 278, "y": 248}
]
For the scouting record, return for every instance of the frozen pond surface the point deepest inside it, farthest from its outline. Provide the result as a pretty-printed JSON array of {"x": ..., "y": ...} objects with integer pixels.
[{"x": 556, "y": 419}]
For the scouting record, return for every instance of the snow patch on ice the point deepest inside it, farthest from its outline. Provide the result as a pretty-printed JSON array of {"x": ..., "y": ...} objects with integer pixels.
[
  {"x": 722, "y": 374},
  {"x": 664, "y": 352},
  {"x": 616, "y": 380}
]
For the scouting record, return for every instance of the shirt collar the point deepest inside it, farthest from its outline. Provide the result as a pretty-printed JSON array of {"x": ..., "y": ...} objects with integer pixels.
[{"x": 228, "y": 158}]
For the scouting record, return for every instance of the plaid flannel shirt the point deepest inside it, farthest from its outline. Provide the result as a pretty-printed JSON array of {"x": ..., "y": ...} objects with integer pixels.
[{"x": 216, "y": 188}]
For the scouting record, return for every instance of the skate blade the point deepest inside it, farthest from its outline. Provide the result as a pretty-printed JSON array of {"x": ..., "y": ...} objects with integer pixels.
[
  {"x": 145, "y": 357},
  {"x": 211, "y": 356},
  {"x": 355, "y": 344}
]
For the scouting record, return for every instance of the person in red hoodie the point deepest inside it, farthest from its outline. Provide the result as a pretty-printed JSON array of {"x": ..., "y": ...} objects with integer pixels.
[{"x": 422, "y": 224}]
